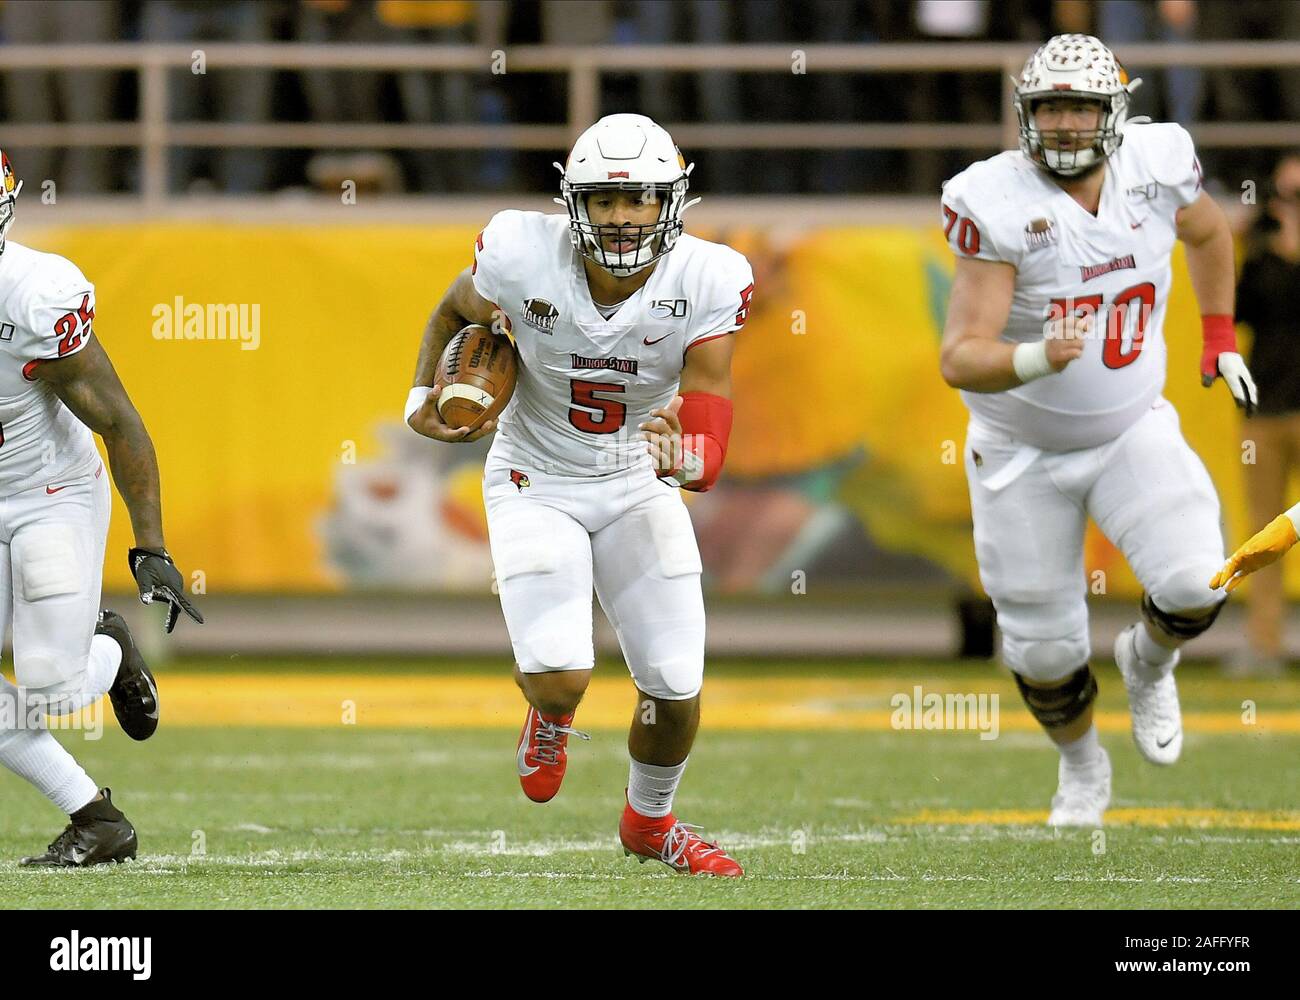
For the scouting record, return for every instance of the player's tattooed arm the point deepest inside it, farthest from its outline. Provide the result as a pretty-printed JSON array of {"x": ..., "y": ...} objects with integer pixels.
[
  {"x": 91, "y": 389},
  {"x": 973, "y": 355},
  {"x": 460, "y": 306}
]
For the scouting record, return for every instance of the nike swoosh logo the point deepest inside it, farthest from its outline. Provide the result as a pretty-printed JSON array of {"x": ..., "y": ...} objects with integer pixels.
[
  {"x": 524, "y": 769},
  {"x": 153, "y": 689},
  {"x": 650, "y": 343},
  {"x": 51, "y": 490},
  {"x": 79, "y": 857},
  {"x": 1166, "y": 742}
]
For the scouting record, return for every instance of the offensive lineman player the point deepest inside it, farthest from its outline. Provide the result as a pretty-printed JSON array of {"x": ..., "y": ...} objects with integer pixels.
[
  {"x": 56, "y": 387},
  {"x": 1054, "y": 335},
  {"x": 622, "y": 323}
]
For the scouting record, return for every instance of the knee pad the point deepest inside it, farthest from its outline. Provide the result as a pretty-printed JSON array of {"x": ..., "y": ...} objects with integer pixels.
[
  {"x": 546, "y": 648},
  {"x": 1180, "y": 626},
  {"x": 50, "y": 668},
  {"x": 1044, "y": 641},
  {"x": 1062, "y": 703},
  {"x": 676, "y": 679},
  {"x": 66, "y": 698},
  {"x": 1045, "y": 660},
  {"x": 1187, "y": 594}
]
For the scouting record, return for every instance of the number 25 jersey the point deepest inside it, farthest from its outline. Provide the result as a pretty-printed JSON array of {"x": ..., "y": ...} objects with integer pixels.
[{"x": 46, "y": 309}]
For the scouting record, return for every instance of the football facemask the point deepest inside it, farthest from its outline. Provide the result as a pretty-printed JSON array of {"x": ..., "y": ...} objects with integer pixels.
[
  {"x": 1066, "y": 151},
  {"x": 1073, "y": 66},
  {"x": 634, "y": 246}
]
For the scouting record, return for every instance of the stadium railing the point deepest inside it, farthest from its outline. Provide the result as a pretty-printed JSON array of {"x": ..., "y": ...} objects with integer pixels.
[{"x": 153, "y": 133}]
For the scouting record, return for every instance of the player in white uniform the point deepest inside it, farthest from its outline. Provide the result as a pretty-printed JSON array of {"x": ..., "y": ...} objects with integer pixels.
[
  {"x": 1054, "y": 335},
  {"x": 622, "y": 323},
  {"x": 56, "y": 387}
]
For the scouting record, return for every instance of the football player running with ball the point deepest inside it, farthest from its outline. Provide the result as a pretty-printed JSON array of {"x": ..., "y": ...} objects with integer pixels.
[
  {"x": 57, "y": 386},
  {"x": 623, "y": 326},
  {"x": 1054, "y": 335}
]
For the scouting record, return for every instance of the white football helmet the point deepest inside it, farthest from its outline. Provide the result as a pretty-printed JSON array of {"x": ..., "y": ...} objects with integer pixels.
[
  {"x": 628, "y": 153},
  {"x": 1074, "y": 66},
  {"x": 9, "y": 189}
]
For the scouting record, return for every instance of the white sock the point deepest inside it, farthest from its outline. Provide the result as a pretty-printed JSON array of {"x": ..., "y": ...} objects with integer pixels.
[
  {"x": 105, "y": 659},
  {"x": 1084, "y": 750},
  {"x": 1151, "y": 652},
  {"x": 650, "y": 788},
  {"x": 38, "y": 757}
]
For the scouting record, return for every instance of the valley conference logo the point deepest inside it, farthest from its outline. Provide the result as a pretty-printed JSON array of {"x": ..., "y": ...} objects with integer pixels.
[
  {"x": 102, "y": 954},
  {"x": 952, "y": 711}
]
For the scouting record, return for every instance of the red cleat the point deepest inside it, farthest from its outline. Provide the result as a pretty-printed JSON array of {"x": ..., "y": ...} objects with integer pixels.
[
  {"x": 675, "y": 844},
  {"x": 542, "y": 757}
]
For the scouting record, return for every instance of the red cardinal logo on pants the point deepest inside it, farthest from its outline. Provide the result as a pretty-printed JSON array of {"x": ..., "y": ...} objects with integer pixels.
[{"x": 520, "y": 479}]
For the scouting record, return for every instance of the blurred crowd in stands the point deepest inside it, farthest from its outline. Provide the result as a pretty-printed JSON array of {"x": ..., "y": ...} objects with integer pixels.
[{"x": 1186, "y": 95}]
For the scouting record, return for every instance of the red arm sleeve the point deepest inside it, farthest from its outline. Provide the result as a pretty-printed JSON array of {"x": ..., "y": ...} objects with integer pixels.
[{"x": 706, "y": 427}]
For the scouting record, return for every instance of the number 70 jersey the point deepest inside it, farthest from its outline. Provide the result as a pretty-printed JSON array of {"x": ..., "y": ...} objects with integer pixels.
[
  {"x": 1114, "y": 266},
  {"x": 586, "y": 383},
  {"x": 46, "y": 310}
]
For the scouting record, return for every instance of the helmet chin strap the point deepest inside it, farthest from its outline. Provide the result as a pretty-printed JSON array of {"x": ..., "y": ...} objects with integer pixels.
[
  {"x": 1079, "y": 169},
  {"x": 621, "y": 270}
]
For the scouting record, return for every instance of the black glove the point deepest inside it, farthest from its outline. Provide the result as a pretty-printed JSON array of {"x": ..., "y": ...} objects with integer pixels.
[{"x": 159, "y": 579}]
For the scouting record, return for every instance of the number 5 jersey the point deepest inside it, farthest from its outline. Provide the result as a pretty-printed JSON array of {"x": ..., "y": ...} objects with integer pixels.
[{"x": 586, "y": 382}]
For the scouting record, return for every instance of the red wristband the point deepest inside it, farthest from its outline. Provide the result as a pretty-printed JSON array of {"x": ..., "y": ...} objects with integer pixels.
[
  {"x": 706, "y": 428},
  {"x": 1219, "y": 335}
]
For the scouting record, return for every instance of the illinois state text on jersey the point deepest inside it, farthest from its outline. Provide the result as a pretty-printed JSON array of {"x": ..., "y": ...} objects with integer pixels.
[
  {"x": 587, "y": 382},
  {"x": 1114, "y": 264}
]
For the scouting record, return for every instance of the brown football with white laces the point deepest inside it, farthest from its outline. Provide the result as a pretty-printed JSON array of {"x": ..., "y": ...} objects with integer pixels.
[{"x": 477, "y": 372}]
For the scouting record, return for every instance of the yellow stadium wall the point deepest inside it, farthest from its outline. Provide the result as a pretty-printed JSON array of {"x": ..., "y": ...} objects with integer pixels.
[{"x": 841, "y": 353}]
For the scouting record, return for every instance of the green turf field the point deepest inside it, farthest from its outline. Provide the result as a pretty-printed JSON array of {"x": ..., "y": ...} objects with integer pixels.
[{"x": 357, "y": 816}]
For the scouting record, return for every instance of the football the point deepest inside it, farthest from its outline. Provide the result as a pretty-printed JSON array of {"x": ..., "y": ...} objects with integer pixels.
[{"x": 477, "y": 373}]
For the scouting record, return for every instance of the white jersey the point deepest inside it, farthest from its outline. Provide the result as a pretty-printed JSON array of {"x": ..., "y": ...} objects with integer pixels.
[
  {"x": 1114, "y": 265},
  {"x": 586, "y": 382},
  {"x": 46, "y": 310}
]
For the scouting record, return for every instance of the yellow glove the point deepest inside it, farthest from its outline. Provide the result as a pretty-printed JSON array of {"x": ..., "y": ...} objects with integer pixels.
[{"x": 1260, "y": 550}]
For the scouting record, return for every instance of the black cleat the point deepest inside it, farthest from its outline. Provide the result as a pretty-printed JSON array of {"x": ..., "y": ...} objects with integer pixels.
[
  {"x": 98, "y": 834},
  {"x": 134, "y": 693}
]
